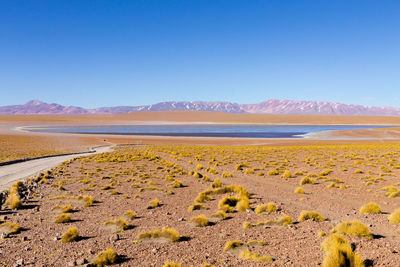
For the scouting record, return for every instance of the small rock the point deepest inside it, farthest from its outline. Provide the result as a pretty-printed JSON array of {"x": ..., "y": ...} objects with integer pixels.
[
  {"x": 24, "y": 238},
  {"x": 36, "y": 208},
  {"x": 81, "y": 261},
  {"x": 181, "y": 219},
  {"x": 72, "y": 263},
  {"x": 114, "y": 237},
  {"x": 168, "y": 213},
  {"x": 3, "y": 235},
  {"x": 19, "y": 262},
  {"x": 55, "y": 238},
  {"x": 90, "y": 251}
]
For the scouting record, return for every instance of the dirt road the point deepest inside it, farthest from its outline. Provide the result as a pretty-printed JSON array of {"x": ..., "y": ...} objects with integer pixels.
[{"x": 18, "y": 171}]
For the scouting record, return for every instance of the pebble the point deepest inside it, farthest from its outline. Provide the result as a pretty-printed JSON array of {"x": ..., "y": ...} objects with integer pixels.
[
  {"x": 181, "y": 219},
  {"x": 3, "y": 235},
  {"x": 114, "y": 237},
  {"x": 81, "y": 261},
  {"x": 72, "y": 263},
  {"x": 19, "y": 262}
]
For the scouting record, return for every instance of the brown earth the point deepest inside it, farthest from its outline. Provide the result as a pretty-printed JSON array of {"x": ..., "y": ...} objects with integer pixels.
[{"x": 144, "y": 170}]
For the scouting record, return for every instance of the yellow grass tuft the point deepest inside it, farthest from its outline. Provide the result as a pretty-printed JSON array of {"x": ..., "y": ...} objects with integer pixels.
[
  {"x": 196, "y": 207},
  {"x": 220, "y": 215},
  {"x": 13, "y": 202},
  {"x": 153, "y": 204},
  {"x": 167, "y": 233},
  {"x": 70, "y": 235},
  {"x": 106, "y": 257},
  {"x": 299, "y": 190},
  {"x": 286, "y": 174},
  {"x": 233, "y": 245},
  {"x": 199, "y": 221},
  {"x": 197, "y": 175},
  {"x": 248, "y": 255},
  {"x": 321, "y": 234},
  {"x": 338, "y": 252},
  {"x": 394, "y": 217},
  {"x": 283, "y": 221},
  {"x": 370, "y": 208},
  {"x": 273, "y": 172},
  {"x": 9, "y": 228},
  {"x": 62, "y": 208},
  {"x": 269, "y": 207},
  {"x": 62, "y": 218},
  {"x": 310, "y": 215},
  {"x": 129, "y": 215},
  {"x": 307, "y": 180},
  {"x": 355, "y": 228},
  {"x": 226, "y": 175},
  {"x": 217, "y": 183}
]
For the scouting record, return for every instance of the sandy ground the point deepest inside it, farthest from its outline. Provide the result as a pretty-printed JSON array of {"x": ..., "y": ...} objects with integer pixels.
[
  {"x": 19, "y": 171},
  {"x": 130, "y": 171}
]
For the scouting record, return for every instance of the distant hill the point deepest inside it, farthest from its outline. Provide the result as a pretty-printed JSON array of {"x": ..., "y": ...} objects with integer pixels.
[{"x": 272, "y": 106}]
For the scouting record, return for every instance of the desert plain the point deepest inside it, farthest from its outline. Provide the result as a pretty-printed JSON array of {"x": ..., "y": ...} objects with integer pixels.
[{"x": 183, "y": 201}]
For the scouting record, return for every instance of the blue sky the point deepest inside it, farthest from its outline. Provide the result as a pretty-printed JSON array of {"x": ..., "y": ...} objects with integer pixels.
[{"x": 107, "y": 53}]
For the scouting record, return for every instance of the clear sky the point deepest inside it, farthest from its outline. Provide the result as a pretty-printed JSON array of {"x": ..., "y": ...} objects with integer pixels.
[{"x": 106, "y": 53}]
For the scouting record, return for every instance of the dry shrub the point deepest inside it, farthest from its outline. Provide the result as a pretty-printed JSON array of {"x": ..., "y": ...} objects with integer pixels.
[
  {"x": 70, "y": 235},
  {"x": 269, "y": 207},
  {"x": 196, "y": 207},
  {"x": 9, "y": 228},
  {"x": 106, "y": 257},
  {"x": 299, "y": 190},
  {"x": 307, "y": 180},
  {"x": 13, "y": 202},
  {"x": 62, "y": 218},
  {"x": 310, "y": 215},
  {"x": 129, "y": 215},
  {"x": 355, "y": 228},
  {"x": 394, "y": 217},
  {"x": 153, "y": 204},
  {"x": 219, "y": 215},
  {"x": 338, "y": 252},
  {"x": 166, "y": 233},
  {"x": 62, "y": 208},
  {"x": 370, "y": 208},
  {"x": 248, "y": 255},
  {"x": 199, "y": 221}
]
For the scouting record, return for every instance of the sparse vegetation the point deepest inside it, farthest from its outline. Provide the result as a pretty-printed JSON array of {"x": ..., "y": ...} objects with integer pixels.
[
  {"x": 153, "y": 204},
  {"x": 394, "y": 217},
  {"x": 299, "y": 190},
  {"x": 166, "y": 233},
  {"x": 338, "y": 252},
  {"x": 199, "y": 221},
  {"x": 269, "y": 207},
  {"x": 62, "y": 218},
  {"x": 106, "y": 257},
  {"x": 370, "y": 208},
  {"x": 310, "y": 215},
  {"x": 70, "y": 235},
  {"x": 355, "y": 228}
]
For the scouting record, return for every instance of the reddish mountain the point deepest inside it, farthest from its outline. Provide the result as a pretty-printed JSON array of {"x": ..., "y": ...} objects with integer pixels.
[{"x": 272, "y": 106}]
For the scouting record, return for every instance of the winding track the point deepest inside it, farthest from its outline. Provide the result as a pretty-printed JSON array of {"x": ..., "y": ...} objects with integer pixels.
[{"x": 19, "y": 171}]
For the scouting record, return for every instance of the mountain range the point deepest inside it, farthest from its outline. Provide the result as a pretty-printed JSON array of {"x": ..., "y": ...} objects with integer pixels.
[{"x": 272, "y": 106}]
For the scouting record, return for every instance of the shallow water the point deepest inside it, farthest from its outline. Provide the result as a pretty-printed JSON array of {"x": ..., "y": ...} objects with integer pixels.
[{"x": 204, "y": 130}]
